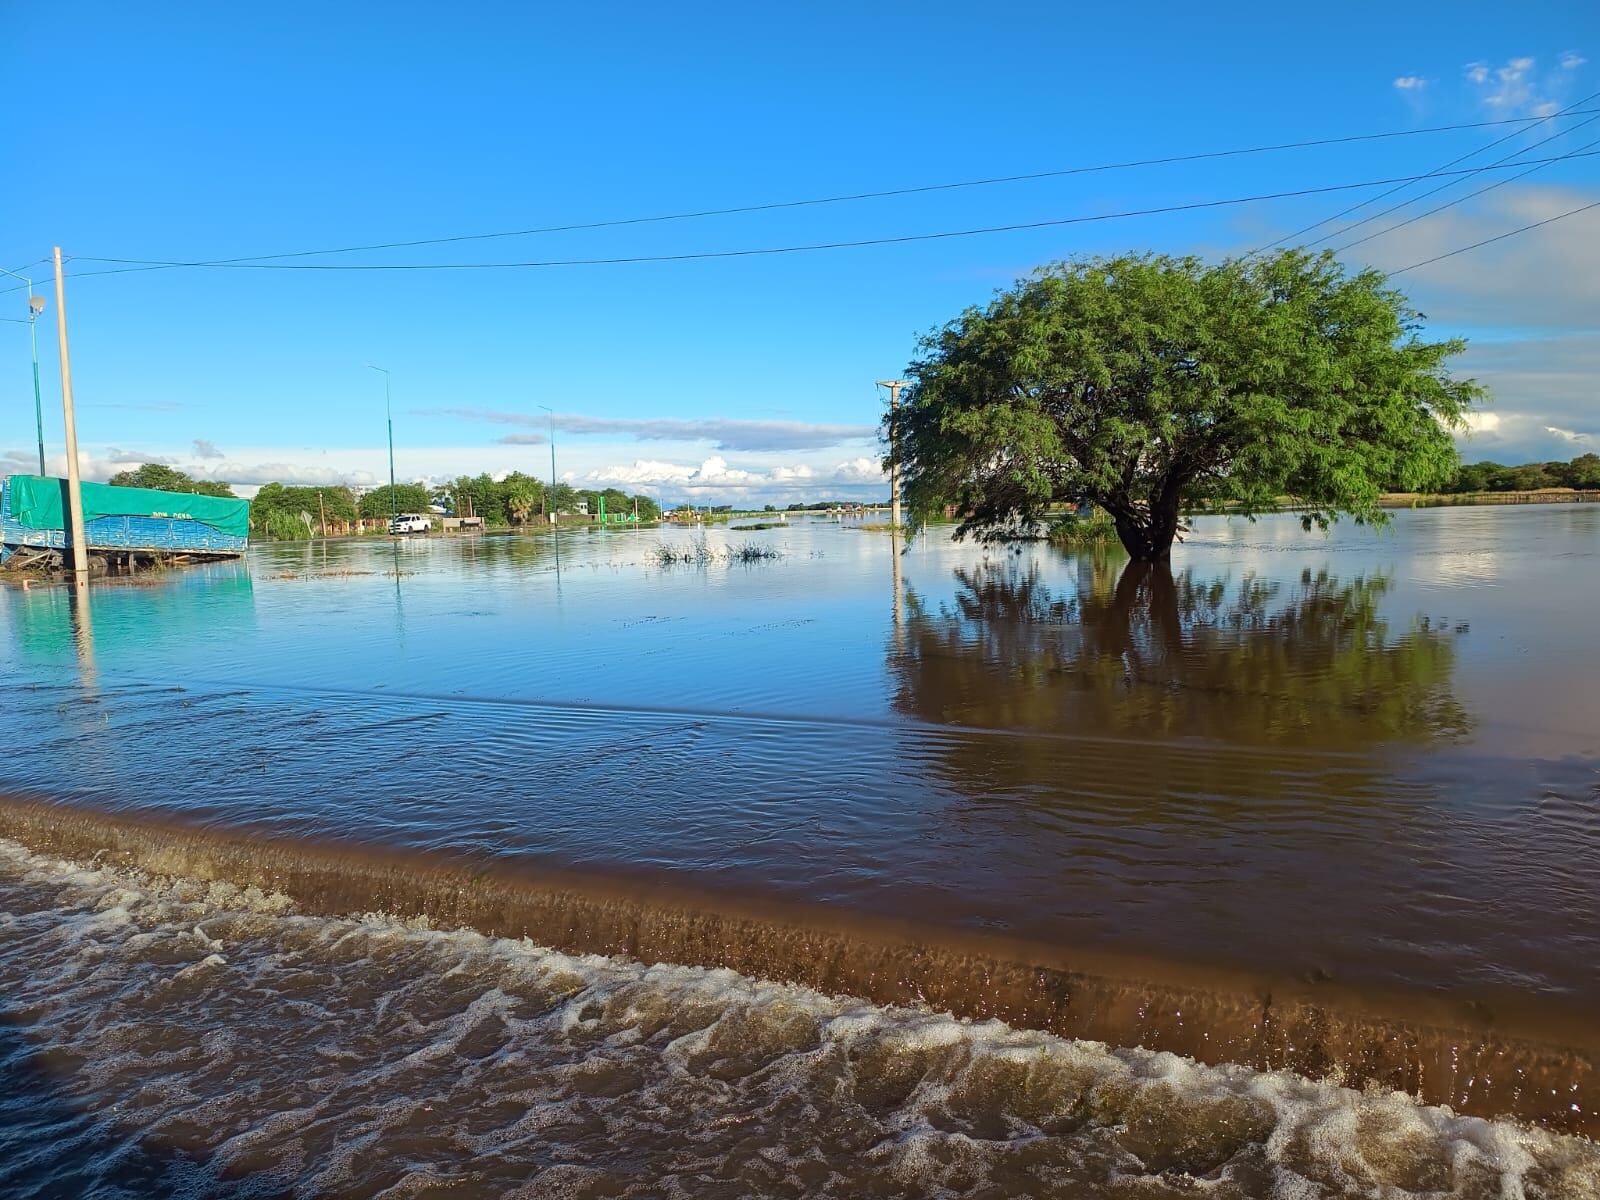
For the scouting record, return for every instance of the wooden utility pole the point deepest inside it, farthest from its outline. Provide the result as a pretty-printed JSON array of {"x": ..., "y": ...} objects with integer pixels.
[
  {"x": 894, "y": 386},
  {"x": 322, "y": 512},
  {"x": 80, "y": 551}
]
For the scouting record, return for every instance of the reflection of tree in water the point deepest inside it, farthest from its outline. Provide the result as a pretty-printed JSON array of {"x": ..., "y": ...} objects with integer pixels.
[{"x": 1142, "y": 651}]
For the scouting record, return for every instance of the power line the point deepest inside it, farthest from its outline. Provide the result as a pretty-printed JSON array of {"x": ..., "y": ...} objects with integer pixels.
[
  {"x": 1450, "y": 183},
  {"x": 811, "y": 246},
  {"x": 849, "y": 197},
  {"x": 1570, "y": 111},
  {"x": 1458, "y": 200},
  {"x": 1499, "y": 237}
]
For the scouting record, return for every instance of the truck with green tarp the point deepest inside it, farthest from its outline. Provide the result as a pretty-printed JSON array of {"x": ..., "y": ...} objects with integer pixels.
[{"x": 119, "y": 521}]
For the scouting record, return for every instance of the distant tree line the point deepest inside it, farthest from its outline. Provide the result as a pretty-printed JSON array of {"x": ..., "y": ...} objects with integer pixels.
[
  {"x": 284, "y": 512},
  {"x": 1582, "y": 472}
]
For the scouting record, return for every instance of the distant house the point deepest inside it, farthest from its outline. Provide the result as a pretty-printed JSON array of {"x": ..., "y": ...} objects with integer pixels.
[{"x": 581, "y": 508}]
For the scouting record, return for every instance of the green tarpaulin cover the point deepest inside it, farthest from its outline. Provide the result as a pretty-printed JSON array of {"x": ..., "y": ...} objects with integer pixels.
[{"x": 37, "y": 503}]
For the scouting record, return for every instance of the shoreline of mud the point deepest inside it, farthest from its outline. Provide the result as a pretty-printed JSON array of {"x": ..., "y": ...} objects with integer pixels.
[{"x": 1532, "y": 1066}]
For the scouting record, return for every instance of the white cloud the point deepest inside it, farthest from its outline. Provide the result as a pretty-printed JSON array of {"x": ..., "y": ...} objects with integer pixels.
[
  {"x": 1411, "y": 83},
  {"x": 1505, "y": 88},
  {"x": 1482, "y": 422},
  {"x": 714, "y": 476},
  {"x": 205, "y": 449},
  {"x": 1571, "y": 61},
  {"x": 1566, "y": 435}
]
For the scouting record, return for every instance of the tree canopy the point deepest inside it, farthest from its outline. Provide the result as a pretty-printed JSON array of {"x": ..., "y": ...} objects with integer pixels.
[
  {"x": 1147, "y": 384},
  {"x": 408, "y": 498},
  {"x": 168, "y": 479},
  {"x": 288, "y": 513}
]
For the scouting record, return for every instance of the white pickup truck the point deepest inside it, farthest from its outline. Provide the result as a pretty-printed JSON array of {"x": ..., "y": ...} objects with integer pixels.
[{"x": 410, "y": 523}]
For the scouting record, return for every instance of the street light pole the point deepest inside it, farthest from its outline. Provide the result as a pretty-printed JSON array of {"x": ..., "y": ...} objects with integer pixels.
[
  {"x": 35, "y": 307},
  {"x": 554, "y": 519},
  {"x": 388, "y": 412}
]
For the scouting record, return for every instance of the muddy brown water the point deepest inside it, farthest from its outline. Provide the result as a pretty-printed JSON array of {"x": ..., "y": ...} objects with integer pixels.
[{"x": 1320, "y": 806}]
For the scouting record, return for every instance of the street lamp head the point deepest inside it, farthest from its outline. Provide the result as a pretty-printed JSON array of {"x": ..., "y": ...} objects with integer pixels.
[{"x": 35, "y": 305}]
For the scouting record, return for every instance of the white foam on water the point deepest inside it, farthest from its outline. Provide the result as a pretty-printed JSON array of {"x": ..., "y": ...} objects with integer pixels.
[{"x": 212, "y": 1039}]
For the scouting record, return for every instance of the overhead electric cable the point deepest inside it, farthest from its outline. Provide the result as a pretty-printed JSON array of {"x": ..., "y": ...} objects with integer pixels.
[
  {"x": 803, "y": 247},
  {"x": 1499, "y": 237},
  {"x": 853, "y": 196},
  {"x": 1504, "y": 160},
  {"x": 1439, "y": 208},
  {"x": 1571, "y": 110}
]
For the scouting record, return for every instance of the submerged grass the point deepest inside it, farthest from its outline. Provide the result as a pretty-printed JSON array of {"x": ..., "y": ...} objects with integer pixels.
[{"x": 1093, "y": 529}]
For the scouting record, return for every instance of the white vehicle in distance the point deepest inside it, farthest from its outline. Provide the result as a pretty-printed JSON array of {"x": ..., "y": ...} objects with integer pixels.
[{"x": 410, "y": 523}]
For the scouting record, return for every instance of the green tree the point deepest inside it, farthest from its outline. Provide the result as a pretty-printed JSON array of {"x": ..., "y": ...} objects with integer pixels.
[
  {"x": 1584, "y": 472},
  {"x": 563, "y": 498},
  {"x": 649, "y": 508},
  {"x": 169, "y": 479},
  {"x": 408, "y": 497},
  {"x": 523, "y": 496},
  {"x": 1147, "y": 384},
  {"x": 284, "y": 512}
]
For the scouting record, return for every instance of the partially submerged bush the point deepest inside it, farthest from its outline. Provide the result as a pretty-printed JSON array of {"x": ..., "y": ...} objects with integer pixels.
[{"x": 700, "y": 554}]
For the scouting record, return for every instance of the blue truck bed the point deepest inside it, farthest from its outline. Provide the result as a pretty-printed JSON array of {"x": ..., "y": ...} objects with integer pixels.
[{"x": 156, "y": 534}]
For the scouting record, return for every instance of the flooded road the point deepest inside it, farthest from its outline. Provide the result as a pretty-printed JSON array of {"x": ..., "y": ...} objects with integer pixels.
[{"x": 1364, "y": 766}]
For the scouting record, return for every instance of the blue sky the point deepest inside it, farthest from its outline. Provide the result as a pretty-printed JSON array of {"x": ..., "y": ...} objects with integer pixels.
[{"x": 196, "y": 131}]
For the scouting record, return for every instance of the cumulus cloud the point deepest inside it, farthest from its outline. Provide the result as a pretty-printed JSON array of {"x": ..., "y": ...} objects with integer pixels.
[
  {"x": 724, "y": 434},
  {"x": 1571, "y": 61},
  {"x": 1410, "y": 83},
  {"x": 255, "y": 474},
  {"x": 205, "y": 449},
  {"x": 715, "y": 475}
]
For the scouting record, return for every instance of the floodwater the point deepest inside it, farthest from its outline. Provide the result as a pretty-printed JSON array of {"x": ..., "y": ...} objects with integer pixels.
[{"x": 1359, "y": 774}]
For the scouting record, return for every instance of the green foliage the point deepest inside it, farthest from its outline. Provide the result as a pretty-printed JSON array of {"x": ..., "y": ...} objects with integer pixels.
[
  {"x": 1083, "y": 529},
  {"x": 408, "y": 497},
  {"x": 563, "y": 498},
  {"x": 478, "y": 496},
  {"x": 1582, "y": 472},
  {"x": 523, "y": 495},
  {"x": 280, "y": 512},
  {"x": 1145, "y": 384},
  {"x": 168, "y": 479}
]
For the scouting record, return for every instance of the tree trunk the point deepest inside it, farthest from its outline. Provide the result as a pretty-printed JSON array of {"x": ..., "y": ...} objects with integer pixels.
[{"x": 1147, "y": 535}]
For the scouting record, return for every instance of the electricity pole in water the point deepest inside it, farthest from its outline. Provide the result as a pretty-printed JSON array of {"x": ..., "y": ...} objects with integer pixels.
[
  {"x": 388, "y": 412},
  {"x": 80, "y": 552},
  {"x": 894, "y": 386},
  {"x": 35, "y": 307}
]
